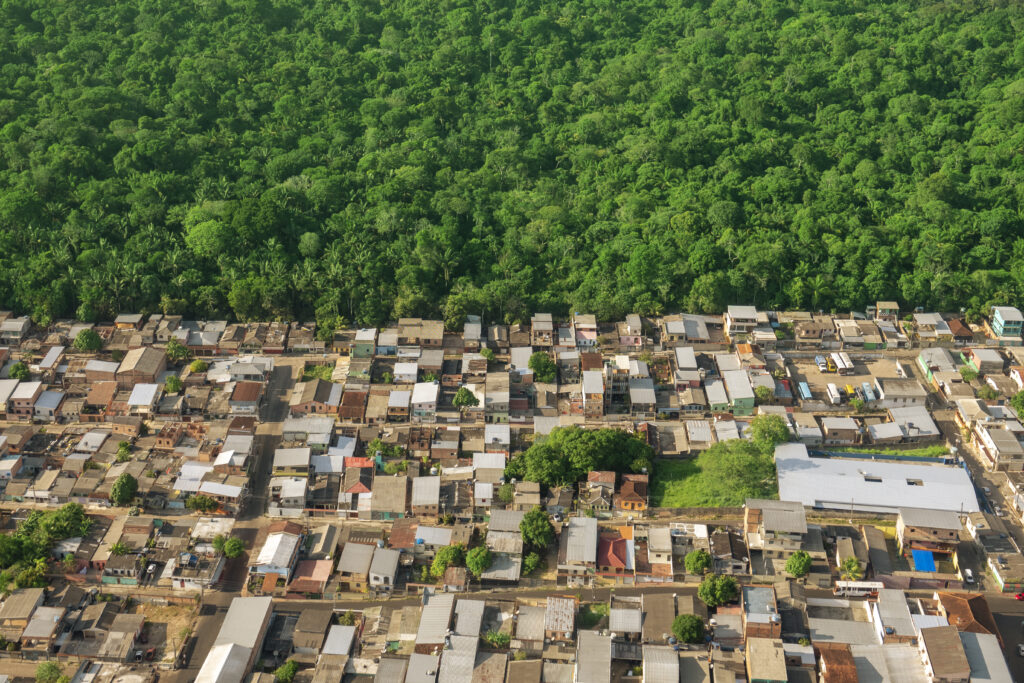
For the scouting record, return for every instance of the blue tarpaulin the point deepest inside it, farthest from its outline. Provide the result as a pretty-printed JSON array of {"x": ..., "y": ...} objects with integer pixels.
[{"x": 923, "y": 560}]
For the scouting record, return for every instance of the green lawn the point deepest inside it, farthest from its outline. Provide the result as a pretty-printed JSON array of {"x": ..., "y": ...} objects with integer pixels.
[
  {"x": 936, "y": 451},
  {"x": 312, "y": 372},
  {"x": 591, "y": 615},
  {"x": 680, "y": 484}
]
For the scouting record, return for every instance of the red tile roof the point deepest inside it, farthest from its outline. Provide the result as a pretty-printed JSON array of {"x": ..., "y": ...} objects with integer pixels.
[{"x": 611, "y": 553}]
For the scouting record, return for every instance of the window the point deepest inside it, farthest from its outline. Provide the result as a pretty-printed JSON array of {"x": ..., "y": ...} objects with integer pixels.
[
  {"x": 872, "y": 479},
  {"x": 915, "y": 482}
]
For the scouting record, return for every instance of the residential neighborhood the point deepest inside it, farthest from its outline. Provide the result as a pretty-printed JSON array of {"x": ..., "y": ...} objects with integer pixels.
[{"x": 255, "y": 501}]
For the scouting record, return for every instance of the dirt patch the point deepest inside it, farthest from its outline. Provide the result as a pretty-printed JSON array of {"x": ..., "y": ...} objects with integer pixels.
[{"x": 164, "y": 626}]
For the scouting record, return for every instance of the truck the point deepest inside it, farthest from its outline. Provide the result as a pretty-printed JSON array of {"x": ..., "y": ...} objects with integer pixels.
[{"x": 834, "y": 397}]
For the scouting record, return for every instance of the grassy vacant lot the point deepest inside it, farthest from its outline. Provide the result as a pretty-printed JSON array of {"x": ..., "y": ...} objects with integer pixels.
[
  {"x": 724, "y": 475},
  {"x": 312, "y": 372},
  {"x": 935, "y": 451}
]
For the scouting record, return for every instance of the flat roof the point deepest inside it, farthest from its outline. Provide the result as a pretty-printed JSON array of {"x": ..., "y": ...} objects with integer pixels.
[{"x": 870, "y": 485}]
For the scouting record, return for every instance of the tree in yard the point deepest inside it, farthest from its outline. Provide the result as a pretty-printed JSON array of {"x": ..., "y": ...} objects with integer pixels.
[
  {"x": 201, "y": 503},
  {"x": 464, "y": 397},
  {"x": 88, "y": 340},
  {"x": 544, "y": 369},
  {"x": 19, "y": 371},
  {"x": 119, "y": 549},
  {"x": 385, "y": 450},
  {"x": 176, "y": 351},
  {"x": 536, "y": 529},
  {"x": 968, "y": 374},
  {"x": 124, "y": 451},
  {"x": 48, "y": 672},
  {"x": 717, "y": 590},
  {"x": 448, "y": 556},
  {"x": 487, "y": 354},
  {"x": 233, "y": 547},
  {"x": 123, "y": 490},
  {"x": 763, "y": 395},
  {"x": 531, "y": 562},
  {"x": 478, "y": 560},
  {"x": 697, "y": 562},
  {"x": 857, "y": 404},
  {"x": 688, "y": 628},
  {"x": 566, "y": 455},
  {"x": 1018, "y": 402},
  {"x": 798, "y": 564},
  {"x": 850, "y": 570},
  {"x": 173, "y": 384},
  {"x": 506, "y": 492},
  {"x": 286, "y": 672},
  {"x": 198, "y": 365},
  {"x": 768, "y": 431}
]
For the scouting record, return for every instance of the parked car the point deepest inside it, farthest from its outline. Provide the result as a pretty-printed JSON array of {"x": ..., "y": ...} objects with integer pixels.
[{"x": 968, "y": 576}]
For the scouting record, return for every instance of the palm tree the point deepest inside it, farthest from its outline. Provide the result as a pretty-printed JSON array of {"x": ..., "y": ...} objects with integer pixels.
[{"x": 850, "y": 570}]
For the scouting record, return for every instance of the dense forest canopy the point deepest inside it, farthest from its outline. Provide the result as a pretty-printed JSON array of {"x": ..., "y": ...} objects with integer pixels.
[{"x": 368, "y": 160}]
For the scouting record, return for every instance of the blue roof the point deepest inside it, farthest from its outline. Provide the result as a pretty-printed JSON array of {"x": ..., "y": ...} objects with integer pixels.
[{"x": 923, "y": 560}]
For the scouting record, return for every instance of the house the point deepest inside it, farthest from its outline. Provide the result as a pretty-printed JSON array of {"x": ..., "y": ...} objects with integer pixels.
[
  {"x": 968, "y": 612},
  {"x": 246, "y": 397},
  {"x": 317, "y": 397},
  {"x": 365, "y": 343},
  {"x": 729, "y": 552},
  {"x": 593, "y": 658},
  {"x": 897, "y": 393},
  {"x": 280, "y": 551},
  {"x": 887, "y": 310},
  {"x": 934, "y": 531},
  {"x": 291, "y": 461},
  {"x": 615, "y": 557},
  {"x": 354, "y": 567},
  {"x": 144, "y": 364},
  {"x": 310, "y": 578},
  {"x": 632, "y": 496},
  {"x": 630, "y": 333},
  {"x": 13, "y": 330},
  {"x": 239, "y": 642},
  {"x": 943, "y": 655},
  {"x": 542, "y": 330},
  {"x": 17, "y": 610},
  {"x": 383, "y": 570},
  {"x": 1006, "y": 321},
  {"x": 766, "y": 661},
  {"x": 559, "y": 619},
  {"x": 999, "y": 446},
  {"x": 424, "y": 401},
  {"x": 426, "y": 497},
  {"x": 983, "y": 361},
  {"x": 40, "y": 634},
  {"x": 593, "y": 394},
  {"x": 775, "y": 527},
  {"x": 47, "y": 407},
  {"x": 390, "y": 497},
  {"x": 577, "y": 552},
  {"x": 740, "y": 321},
  {"x": 760, "y": 613},
  {"x": 642, "y": 399},
  {"x": 740, "y": 391},
  {"x": 585, "y": 326},
  {"x": 840, "y": 430},
  {"x": 21, "y": 404},
  {"x": 398, "y": 406}
]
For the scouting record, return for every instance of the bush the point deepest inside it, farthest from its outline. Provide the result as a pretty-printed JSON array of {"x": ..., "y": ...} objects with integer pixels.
[
  {"x": 286, "y": 672},
  {"x": 173, "y": 384},
  {"x": 198, "y": 365},
  {"x": 19, "y": 371},
  {"x": 497, "y": 640},
  {"x": 688, "y": 628},
  {"x": 201, "y": 503}
]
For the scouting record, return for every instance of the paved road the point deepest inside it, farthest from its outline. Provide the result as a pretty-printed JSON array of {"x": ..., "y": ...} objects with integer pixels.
[{"x": 268, "y": 436}]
